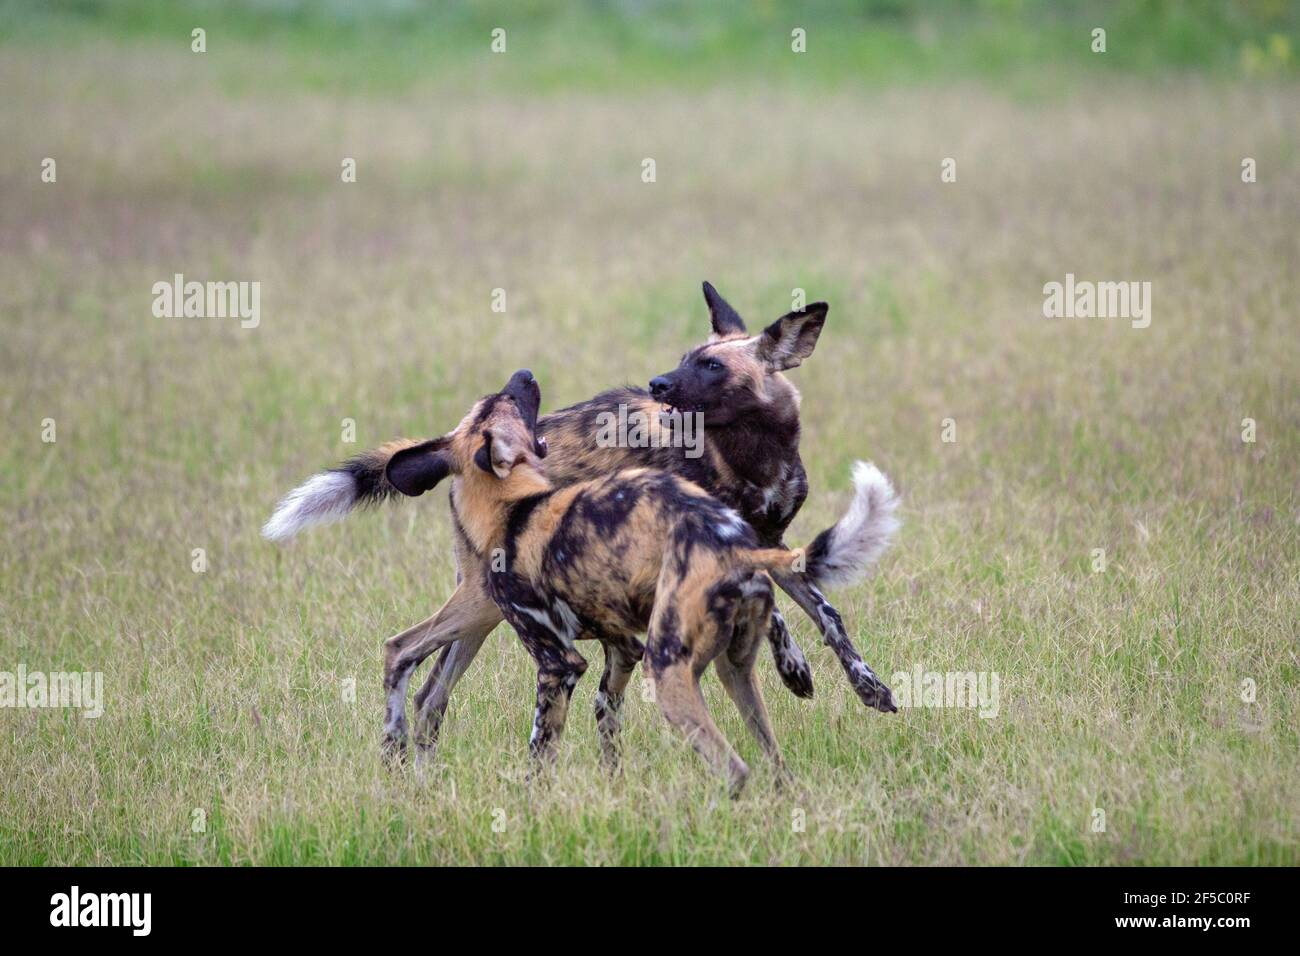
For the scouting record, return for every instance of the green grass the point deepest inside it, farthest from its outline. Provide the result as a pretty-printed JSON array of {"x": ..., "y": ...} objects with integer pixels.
[{"x": 225, "y": 690}]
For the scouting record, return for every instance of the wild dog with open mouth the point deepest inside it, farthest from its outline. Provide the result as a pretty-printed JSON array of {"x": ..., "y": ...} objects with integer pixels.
[
  {"x": 750, "y": 461},
  {"x": 751, "y": 415},
  {"x": 640, "y": 551}
]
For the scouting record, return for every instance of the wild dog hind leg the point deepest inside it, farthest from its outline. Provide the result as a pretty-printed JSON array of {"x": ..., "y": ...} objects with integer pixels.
[
  {"x": 677, "y": 691},
  {"x": 735, "y": 668},
  {"x": 685, "y": 636},
  {"x": 741, "y": 685}
]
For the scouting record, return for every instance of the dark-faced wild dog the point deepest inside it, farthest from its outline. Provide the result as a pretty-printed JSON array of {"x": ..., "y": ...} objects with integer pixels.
[
  {"x": 750, "y": 462},
  {"x": 639, "y": 551}
]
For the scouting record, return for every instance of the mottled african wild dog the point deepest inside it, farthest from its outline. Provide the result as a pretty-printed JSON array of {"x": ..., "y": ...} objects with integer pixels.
[
  {"x": 640, "y": 551},
  {"x": 750, "y": 463}
]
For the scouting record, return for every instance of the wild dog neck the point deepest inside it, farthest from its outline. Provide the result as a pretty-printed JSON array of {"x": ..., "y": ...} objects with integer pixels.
[
  {"x": 757, "y": 446},
  {"x": 482, "y": 502}
]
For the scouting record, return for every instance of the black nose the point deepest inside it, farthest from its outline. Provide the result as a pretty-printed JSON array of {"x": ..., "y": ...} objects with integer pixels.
[{"x": 660, "y": 386}]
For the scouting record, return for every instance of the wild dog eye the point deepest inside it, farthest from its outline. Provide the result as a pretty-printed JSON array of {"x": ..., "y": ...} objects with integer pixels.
[{"x": 713, "y": 365}]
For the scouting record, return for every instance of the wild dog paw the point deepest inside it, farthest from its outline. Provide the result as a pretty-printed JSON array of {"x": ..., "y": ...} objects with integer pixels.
[
  {"x": 885, "y": 701},
  {"x": 797, "y": 677},
  {"x": 872, "y": 690},
  {"x": 393, "y": 749},
  {"x": 792, "y": 667}
]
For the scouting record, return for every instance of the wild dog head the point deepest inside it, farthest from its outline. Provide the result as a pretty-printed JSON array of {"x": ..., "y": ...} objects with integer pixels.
[
  {"x": 735, "y": 375},
  {"x": 497, "y": 440}
]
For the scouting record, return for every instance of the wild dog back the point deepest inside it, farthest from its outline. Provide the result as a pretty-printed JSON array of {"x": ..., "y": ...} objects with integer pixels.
[
  {"x": 754, "y": 469},
  {"x": 598, "y": 547}
]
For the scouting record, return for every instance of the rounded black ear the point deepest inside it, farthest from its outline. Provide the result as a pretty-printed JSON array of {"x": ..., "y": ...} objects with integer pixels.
[
  {"x": 725, "y": 319},
  {"x": 483, "y": 457},
  {"x": 415, "y": 470}
]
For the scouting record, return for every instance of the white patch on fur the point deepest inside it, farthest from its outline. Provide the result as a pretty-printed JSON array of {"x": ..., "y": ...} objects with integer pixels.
[
  {"x": 566, "y": 629},
  {"x": 541, "y": 617},
  {"x": 321, "y": 499},
  {"x": 731, "y": 526},
  {"x": 571, "y": 626},
  {"x": 788, "y": 653},
  {"x": 828, "y": 626},
  {"x": 862, "y": 672},
  {"x": 862, "y": 535},
  {"x": 396, "y": 725},
  {"x": 537, "y": 725}
]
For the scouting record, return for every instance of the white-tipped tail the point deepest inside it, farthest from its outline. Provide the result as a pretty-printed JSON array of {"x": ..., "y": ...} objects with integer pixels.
[
  {"x": 321, "y": 499},
  {"x": 843, "y": 553}
]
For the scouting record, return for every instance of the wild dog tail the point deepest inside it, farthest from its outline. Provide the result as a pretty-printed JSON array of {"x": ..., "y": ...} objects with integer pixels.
[
  {"x": 845, "y": 552},
  {"x": 331, "y": 495}
]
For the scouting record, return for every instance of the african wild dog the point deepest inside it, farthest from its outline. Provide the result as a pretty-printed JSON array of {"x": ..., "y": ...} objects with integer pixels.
[
  {"x": 750, "y": 462},
  {"x": 640, "y": 551}
]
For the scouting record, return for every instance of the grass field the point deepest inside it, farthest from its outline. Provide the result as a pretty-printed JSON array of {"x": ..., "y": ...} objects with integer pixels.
[{"x": 230, "y": 734}]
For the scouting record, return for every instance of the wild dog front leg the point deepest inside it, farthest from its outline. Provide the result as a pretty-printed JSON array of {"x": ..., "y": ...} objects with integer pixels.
[
  {"x": 467, "y": 613},
  {"x": 432, "y": 699},
  {"x": 621, "y": 657},
  {"x": 555, "y": 683},
  {"x": 559, "y": 666},
  {"x": 870, "y": 689},
  {"x": 791, "y": 665},
  {"x": 482, "y": 615},
  {"x": 398, "y": 666}
]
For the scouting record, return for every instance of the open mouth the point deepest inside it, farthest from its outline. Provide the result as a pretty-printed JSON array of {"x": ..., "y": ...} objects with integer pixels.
[{"x": 668, "y": 408}]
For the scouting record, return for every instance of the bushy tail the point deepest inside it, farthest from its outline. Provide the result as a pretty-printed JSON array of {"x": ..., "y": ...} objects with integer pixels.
[
  {"x": 331, "y": 495},
  {"x": 845, "y": 552}
]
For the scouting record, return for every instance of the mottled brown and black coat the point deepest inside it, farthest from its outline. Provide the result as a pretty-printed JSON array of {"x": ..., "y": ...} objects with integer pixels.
[
  {"x": 749, "y": 462},
  {"x": 616, "y": 556}
]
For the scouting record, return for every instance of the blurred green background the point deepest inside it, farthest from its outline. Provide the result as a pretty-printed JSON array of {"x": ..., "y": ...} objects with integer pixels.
[
  {"x": 1121, "y": 691},
  {"x": 393, "y": 44}
]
